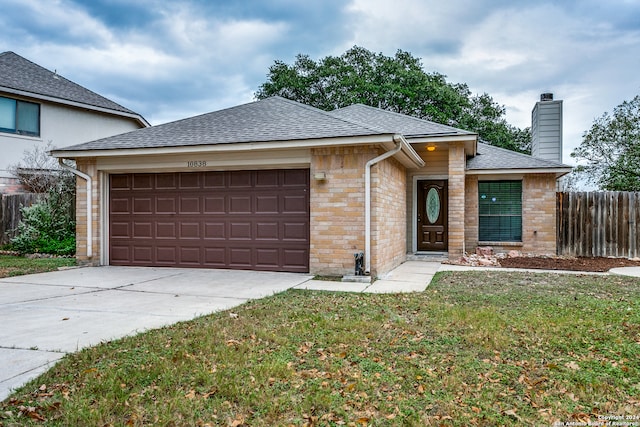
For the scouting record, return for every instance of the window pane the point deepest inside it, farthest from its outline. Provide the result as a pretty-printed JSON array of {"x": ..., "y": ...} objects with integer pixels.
[
  {"x": 500, "y": 211},
  {"x": 7, "y": 114},
  {"x": 28, "y": 118}
]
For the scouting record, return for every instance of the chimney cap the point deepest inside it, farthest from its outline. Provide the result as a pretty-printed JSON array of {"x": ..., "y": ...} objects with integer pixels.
[{"x": 546, "y": 96}]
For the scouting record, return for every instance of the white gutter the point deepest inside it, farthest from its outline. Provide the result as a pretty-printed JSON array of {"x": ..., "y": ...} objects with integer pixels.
[
  {"x": 400, "y": 141},
  {"x": 88, "y": 179}
]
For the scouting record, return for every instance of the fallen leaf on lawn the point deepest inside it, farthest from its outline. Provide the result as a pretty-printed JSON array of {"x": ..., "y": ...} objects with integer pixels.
[
  {"x": 572, "y": 365},
  {"x": 191, "y": 394}
]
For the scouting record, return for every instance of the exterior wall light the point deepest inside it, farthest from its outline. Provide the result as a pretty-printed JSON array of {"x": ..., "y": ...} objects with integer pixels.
[{"x": 320, "y": 176}]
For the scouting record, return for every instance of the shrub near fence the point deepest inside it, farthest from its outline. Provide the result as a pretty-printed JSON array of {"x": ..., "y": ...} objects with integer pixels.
[
  {"x": 602, "y": 223},
  {"x": 10, "y": 215}
]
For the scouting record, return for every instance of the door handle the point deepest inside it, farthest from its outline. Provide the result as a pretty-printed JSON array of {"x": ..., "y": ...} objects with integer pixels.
[{"x": 419, "y": 218}]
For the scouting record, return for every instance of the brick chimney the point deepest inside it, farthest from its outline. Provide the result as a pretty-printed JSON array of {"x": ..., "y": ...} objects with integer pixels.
[{"x": 546, "y": 128}]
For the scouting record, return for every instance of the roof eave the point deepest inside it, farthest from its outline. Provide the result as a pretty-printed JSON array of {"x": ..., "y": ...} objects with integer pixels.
[
  {"x": 559, "y": 171},
  {"x": 470, "y": 140},
  {"x": 137, "y": 117},
  {"x": 226, "y": 147}
]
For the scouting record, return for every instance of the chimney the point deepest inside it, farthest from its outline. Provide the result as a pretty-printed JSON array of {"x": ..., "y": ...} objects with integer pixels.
[{"x": 546, "y": 128}]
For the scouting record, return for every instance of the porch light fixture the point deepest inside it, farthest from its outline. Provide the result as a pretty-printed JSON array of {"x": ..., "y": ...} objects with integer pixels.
[
  {"x": 320, "y": 176},
  {"x": 431, "y": 148}
]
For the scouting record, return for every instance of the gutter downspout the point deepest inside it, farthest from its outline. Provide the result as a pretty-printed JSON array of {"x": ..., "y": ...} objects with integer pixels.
[
  {"x": 89, "y": 181},
  {"x": 400, "y": 141}
]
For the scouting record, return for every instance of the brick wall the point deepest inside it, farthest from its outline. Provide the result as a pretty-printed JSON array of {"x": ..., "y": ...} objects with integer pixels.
[
  {"x": 539, "y": 214},
  {"x": 457, "y": 162},
  {"x": 337, "y": 208},
  {"x": 87, "y": 166},
  {"x": 471, "y": 213},
  {"x": 388, "y": 216}
]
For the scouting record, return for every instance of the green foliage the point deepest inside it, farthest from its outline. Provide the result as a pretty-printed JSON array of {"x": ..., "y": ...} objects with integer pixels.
[
  {"x": 48, "y": 226},
  {"x": 611, "y": 149},
  {"x": 396, "y": 84}
]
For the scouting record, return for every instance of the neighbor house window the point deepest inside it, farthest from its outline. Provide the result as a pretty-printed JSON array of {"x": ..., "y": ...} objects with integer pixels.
[
  {"x": 500, "y": 209},
  {"x": 19, "y": 117}
]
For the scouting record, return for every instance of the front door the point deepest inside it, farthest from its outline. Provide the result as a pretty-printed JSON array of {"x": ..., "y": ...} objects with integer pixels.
[{"x": 432, "y": 215}]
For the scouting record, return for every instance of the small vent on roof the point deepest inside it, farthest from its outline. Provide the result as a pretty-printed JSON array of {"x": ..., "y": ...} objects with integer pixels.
[{"x": 547, "y": 96}]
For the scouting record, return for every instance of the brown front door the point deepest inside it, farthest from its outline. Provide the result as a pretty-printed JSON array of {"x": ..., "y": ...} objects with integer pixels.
[{"x": 432, "y": 215}]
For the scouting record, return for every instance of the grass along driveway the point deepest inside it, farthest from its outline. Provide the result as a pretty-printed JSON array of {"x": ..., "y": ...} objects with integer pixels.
[
  {"x": 476, "y": 348},
  {"x": 11, "y": 265}
]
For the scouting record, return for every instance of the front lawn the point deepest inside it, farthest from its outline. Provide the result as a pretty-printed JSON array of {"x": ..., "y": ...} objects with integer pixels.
[
  {"x": 476, "y": 348},
  {"x": 18, "y": 265}
]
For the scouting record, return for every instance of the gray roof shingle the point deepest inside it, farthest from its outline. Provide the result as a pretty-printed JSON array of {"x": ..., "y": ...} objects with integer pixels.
[
  {"x": 20, "y": 74},
  {"x": 490, "y": 157},
  {"x": 388, "y": 121},
  {"x": 270, "y": 119}
]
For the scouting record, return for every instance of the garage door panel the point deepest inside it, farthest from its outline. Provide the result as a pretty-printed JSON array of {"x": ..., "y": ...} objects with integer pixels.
[
  {"x": 240, "y": 231},
  {"x": 240, "y": 179},
  {"x": 267, "y": 204},
  {"x": 214, "y": 205},
  {"x": 166, "y": 205},
  {"x": 267, "y": 231},
  {"x": 142, "y": 254},
  {"x": 231, "y": 219},
  {"x": 240, "y": 257},
  {"x": 142, "y": 230},
  {"x": 189, "y": 205},
  {"x": 215, "y": 230},
  {"x": 142, "y": 181},
  {"x": 166, "y": 181},
  {"x": 240, "y": 204},
  {"x": 189, "y": 181},
  {"x": 295, "y": 203},
  {"x": 142, "y": 205}
]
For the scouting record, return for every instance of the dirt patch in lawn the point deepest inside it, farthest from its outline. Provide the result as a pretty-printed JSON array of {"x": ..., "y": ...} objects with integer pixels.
[{"x": 597, "y": 264}]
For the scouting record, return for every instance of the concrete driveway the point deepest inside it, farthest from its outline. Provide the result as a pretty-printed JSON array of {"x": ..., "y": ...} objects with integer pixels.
[{"x": 44, "y": 316}]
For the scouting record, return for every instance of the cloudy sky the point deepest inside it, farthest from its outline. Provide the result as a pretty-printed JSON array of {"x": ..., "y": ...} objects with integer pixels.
[{"x": 173, "y": 59}]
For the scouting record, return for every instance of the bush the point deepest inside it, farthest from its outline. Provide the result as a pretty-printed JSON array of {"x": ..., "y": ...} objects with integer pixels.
[{"x": 48, "y": 226}]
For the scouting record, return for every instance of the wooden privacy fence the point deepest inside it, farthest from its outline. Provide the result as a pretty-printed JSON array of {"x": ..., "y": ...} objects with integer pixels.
[
  {"x": 602, "y": 223},
  {"x": 10, "y": 215}
]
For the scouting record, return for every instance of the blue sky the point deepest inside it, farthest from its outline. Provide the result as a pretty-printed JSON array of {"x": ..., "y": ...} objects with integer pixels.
[{"x": 173, "y": 59}]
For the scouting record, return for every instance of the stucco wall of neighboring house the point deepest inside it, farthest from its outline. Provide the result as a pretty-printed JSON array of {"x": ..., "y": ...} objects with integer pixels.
[
  {"x": 88, "y": 166},
  {"x": 388, "y": 216},
  {"x": 436, "y": 167},
  {"x": 538, "y": 214},
  {"x": 337, "y": 208},
  {"x": 457, "y": 163},
  {"x": 63, "y": 126}
]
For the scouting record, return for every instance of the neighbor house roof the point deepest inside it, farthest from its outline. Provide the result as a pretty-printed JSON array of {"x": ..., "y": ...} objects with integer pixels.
[
  {"x": 388, "y": 121},
  {"x": 22, "y": 77},
  {"x": 491, "y": 158},
  {"x": 270, "y": 119}
]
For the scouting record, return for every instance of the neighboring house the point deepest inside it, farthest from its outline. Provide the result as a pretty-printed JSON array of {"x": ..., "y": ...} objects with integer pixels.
[
  {"x": 278, "y": 185},
  {"x": 38, "y": 106}
]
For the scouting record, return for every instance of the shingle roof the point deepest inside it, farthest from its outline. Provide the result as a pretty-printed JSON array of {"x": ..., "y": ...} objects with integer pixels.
[
  {"x": 490, "y": 157},
  {"x": 20, "y": 74},
  {"x": 270, "y": 119},
  {"x": 388, "y": 121}
]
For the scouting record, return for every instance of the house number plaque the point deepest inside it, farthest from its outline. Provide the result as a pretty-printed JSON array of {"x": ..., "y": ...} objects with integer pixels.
[{"x": 196, "y": 163}]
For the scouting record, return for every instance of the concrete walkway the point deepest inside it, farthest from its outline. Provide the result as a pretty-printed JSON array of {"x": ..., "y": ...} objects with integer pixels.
[
  {"x": 626, "y": 271},
  {"x": 412, "y": 276}
]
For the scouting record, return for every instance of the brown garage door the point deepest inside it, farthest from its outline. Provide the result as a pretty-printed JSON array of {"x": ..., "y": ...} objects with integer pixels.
[{"x": 256, "y": 220}]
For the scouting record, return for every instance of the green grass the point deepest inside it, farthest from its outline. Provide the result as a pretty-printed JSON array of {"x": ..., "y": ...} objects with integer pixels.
[
  {"x": 17, "y": 265},
  {"x": 476, "y": 348}
]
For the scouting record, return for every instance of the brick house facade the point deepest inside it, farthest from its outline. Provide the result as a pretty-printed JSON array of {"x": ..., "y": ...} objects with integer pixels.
[{"x": 424, "y": 195}]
